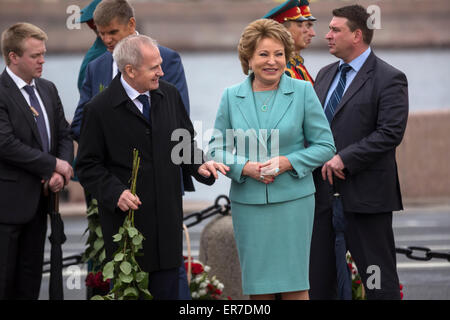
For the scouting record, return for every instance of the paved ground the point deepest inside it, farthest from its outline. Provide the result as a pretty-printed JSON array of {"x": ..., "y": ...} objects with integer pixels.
[{"x": 427, "y": 227}]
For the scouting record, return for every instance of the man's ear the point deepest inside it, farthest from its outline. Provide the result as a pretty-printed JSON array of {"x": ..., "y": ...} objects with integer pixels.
[
  {"x": 13, "y": 57},
  {"x": 132, "y": 23},
  {"x": 358, "y": 36},
  {"x": 129, "y": 71}
]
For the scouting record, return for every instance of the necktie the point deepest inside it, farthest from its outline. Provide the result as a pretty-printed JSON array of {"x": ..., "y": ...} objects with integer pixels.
[
  {"x": 337, "y": 93},
  {"x": 144, "y": 99},
  {"x": 34, "y": 102}
]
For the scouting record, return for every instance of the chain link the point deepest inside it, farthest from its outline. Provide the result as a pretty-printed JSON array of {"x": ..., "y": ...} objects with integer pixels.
[
  {"x": 208, "y": 212},
  {"x": 422, "y": 253}
]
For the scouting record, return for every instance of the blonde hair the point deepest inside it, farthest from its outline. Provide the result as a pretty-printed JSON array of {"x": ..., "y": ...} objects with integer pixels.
[
  {"x": 14, "y": 36},
  {"x": 258, "y": 30}
]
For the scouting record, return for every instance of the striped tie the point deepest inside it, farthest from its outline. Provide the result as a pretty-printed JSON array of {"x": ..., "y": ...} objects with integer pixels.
[
  {"x": 39, "y": 117},
  {"x": 337, "y": 93}
]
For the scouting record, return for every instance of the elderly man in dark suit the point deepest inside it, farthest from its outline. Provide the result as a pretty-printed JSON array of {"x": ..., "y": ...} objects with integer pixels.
[
  {"x": 138, "y": 110},
  {"x": 366, "y": 103},
  {"x": 115, "y": 20},
  {"x": 35, "y": 147}
]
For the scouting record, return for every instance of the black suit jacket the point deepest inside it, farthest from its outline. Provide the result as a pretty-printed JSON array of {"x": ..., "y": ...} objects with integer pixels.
[
  {"x": 112, "y": 127},
  {"x": 368, "y": 125},
  {"x": 23, "y": 164}
]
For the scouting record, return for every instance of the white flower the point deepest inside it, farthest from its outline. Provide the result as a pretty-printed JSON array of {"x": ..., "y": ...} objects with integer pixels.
[
  {"x": 207, "y": 268},
  {"x": 202, "y": 292},
  {"x": 194, "y": 295},
  {"x": 220, "y": 286},
  {"x": 203, "y": 284},
  {"x": 198, "y": 279}
]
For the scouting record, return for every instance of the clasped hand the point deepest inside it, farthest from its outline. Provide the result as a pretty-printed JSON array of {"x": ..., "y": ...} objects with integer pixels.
[
  {"x": 60, "y": 177},
  {"x": 267, "y": 172}
]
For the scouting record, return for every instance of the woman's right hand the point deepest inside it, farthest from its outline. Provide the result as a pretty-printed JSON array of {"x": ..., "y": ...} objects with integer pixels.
[{"x": 253, "y": 170}]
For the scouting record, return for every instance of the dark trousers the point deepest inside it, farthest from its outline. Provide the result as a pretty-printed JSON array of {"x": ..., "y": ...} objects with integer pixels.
[
  {"x": 370, "y": 240},
  {"x": 21, "y": 258},
  {"x": 163, "y": 284}
]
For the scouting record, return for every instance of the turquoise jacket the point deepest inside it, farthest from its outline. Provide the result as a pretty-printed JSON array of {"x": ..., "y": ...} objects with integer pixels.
[{"x": 297, "y": 119}]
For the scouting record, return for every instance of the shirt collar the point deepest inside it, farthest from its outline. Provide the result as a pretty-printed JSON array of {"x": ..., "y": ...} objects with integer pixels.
[
  {"x": 20, "y": 83},
  {"x": 358, "y": 62},
  {"x": 131, "y": 92}
]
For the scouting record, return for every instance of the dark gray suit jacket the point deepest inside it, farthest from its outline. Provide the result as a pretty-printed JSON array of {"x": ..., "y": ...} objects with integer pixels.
[
  {"x": 23, "y": 164},
  {"x": 368, "y": 125}
]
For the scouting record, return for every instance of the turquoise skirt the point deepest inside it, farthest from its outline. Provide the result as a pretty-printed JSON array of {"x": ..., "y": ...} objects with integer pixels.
[{"x": 273, "y": 242}]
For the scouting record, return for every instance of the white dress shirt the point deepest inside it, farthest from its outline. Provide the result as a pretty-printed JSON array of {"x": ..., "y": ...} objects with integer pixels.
[
  {"x": 133, "y": 94},
  {"x": 20, "y": 83}
]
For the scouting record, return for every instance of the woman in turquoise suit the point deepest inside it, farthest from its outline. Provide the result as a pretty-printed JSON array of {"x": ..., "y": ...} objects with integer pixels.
[{"x": 262, "y": 127}]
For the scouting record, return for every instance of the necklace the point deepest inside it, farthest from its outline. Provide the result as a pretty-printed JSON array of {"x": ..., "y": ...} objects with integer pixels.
[{"x": 265, "y": 106}]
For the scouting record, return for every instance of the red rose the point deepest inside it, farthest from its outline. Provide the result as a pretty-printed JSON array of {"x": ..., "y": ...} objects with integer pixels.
[
  {"x": 90, "y": 280},
  {"x": 358, "y": 281},
  {"x": 401, "y": 295},
  {"x": 401, "y": 287},
  {"x": 197, "y": 268}
]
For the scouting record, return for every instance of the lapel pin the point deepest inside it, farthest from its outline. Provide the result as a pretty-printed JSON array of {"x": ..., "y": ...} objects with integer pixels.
[{"x": 34, "y": 111}]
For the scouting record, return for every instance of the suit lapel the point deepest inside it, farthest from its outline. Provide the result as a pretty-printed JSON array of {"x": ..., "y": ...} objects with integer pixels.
[
  {"x": 18, "y": 99},
  {"x": 359, "y": 80},
  {"x": 323, "y": 86},
  {"x": 119, "y": 98},
  {"x": 281, "y": 104},
  {"x": 103, "y": 71},
  {"x": 246, "y": 103}
]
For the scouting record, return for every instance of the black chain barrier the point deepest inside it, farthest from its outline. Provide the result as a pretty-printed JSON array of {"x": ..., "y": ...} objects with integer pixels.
[
  {"x": 422, "y": 253},
  {"x": 197, "y": 217},
  {"x": 413, "y": 252}
]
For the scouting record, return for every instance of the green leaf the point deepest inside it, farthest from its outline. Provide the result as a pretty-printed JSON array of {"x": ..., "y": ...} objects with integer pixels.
[
  {"x": 97, "y": 297},
  {"x": 142, "y": 280},
  {"x": 108, "y": 270},
  {"x": 140, "y": 276},
  {"x": 138, "y": 240},
  {"x": 102, "y": 256},
  {"x": 125, "y": 278},
  {"x": 98, "y": 244},
  {"x": 147, "y": 294},
  {"x": 121, "y": 230},
  {"x": 131, "y": 292},
  {"x": 125, "y": 267},
  {"x": 132, "y": 232},
  {"x": 117, "y": 237},
  {"x": 98, "y": 232},
  {"x": 119, "y": 257}
]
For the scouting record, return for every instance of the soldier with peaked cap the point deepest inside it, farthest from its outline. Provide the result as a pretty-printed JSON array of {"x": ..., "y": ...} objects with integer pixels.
[{"x": 296, "y": 16}]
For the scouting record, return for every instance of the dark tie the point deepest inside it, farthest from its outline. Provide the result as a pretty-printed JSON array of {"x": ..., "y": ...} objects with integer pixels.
[
  {"x": 337, "y": 93},
  {"x": 144, "y": 99},
  {"x": 39, "y": 117}
]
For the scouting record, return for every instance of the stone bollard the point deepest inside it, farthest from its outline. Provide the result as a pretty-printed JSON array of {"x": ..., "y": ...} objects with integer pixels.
[{"x": 218, "y": 251}]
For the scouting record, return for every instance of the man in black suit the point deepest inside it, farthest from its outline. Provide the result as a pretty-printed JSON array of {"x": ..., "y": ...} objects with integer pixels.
[
  {"x": 366, "y": 102},
  {"x": 140, "y": 111},
  {"x": 35, "y": 151}
]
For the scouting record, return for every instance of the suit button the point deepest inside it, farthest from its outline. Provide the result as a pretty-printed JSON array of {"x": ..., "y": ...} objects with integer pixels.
[{"x": 147, "y": 131}]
